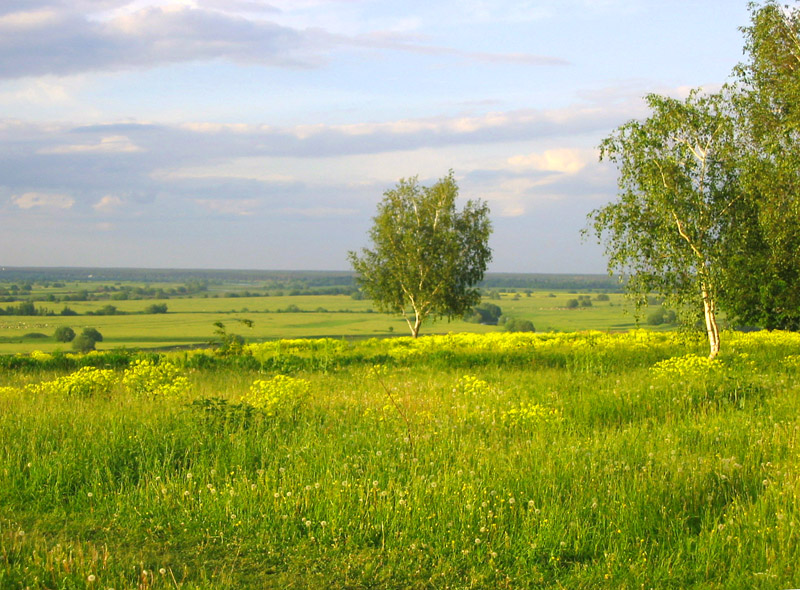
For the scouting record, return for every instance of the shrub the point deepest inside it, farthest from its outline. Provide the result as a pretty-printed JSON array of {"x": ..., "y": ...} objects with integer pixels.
[
  {"x": 517, "y": 325},
  {"x": 64, "y": 334},
  {"x": 34, "y": 336},
  {"x": 87, "y": 340},
  {"x": 156, "y": 308},
  {"x": 572, "y": 304},
  {"x": 485, "y": 313}
]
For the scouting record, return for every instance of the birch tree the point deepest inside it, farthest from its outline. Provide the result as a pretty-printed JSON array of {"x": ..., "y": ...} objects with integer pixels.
[
  {"x": 678, "y": 184},
  {"x": 426, "y": 256}
]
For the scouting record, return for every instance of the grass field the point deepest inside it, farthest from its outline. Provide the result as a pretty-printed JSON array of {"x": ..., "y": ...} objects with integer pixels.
[
  {"x": 462, "y": 461},
  {"x": 190, "y": 321}
]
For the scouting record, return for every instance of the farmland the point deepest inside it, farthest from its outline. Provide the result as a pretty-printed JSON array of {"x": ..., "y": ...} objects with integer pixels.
[{"x": 297, "y": 306}]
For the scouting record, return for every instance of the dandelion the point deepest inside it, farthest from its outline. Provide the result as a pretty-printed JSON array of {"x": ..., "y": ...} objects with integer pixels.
[
  {"x": 477, "y": 541},
  {"x": 162, "y": 571},
  {"x": 90, "y": 495},
  {"x": 91, "y": 578}
]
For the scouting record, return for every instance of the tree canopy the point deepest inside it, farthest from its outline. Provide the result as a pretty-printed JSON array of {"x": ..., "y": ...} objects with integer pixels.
[
  {"x": 708, "y": 211},
  {"x": 426, "y": 256},
  {"x": 762, "y": 282}
]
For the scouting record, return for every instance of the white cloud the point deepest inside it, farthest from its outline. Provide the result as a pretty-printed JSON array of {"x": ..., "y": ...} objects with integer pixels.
[
  {"x": 107, "y": 204},
  {"x": 319, "y": 211},
  {"x": 27, "y": 20},
  {"x": 242, "y": 207},
  {"x": 43, "y": 201},
  {"x": 564, "y": 160},
  {"x": 39, "y": 91},
  {"x": 116, "y": 144}
]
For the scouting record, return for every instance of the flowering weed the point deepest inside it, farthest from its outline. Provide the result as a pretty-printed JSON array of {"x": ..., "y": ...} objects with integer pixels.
[
  {"x": 85, "y": 382},
  {"x": 277, "y": 394},
  {"x": 147, "y": 378}
]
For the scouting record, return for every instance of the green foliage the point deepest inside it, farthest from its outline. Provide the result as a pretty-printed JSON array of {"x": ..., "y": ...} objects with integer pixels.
[
  {"x": 763, "y": 275},
  {"x": 64, "y": 334},
  {"x": 485, "y": 313},
  {"x": 426, "y": 256},
  {"x": 156, "y": 308},
  {"x": 661, "y": 316}
]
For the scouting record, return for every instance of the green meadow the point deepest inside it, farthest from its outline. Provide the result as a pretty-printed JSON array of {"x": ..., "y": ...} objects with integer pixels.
[{"x": 554, "y": 460}]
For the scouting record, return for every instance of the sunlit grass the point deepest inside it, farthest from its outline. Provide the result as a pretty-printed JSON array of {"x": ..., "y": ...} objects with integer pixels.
[{"x": 412, "y": 474}]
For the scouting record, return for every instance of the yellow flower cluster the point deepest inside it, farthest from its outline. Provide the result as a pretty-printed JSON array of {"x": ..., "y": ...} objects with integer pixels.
[
  {"x": 472, "y": 386},
  {"x": 690, "y": 366},
  {"x": 85, "y": 382},
  {"x": 527, "y": 415},
  {"x": 38, "y": 355},
  {"x": 295, "y": 346},
  {"x": 279, "y": 393},
  {"x": 147, "y": 378}
]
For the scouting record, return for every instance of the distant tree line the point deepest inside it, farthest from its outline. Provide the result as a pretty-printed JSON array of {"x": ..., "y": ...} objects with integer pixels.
[{"x": 28, "y": 308}]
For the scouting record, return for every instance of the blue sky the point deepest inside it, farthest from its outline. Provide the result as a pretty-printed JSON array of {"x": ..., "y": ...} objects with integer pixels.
[{"x": 250, "y": 134}]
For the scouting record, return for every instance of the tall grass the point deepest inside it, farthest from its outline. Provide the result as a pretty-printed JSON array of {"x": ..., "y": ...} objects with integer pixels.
[{"x": 475, "y": 463}]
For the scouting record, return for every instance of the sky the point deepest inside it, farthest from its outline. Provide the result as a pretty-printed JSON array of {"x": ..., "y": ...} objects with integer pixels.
[{"x": 262, "y": 134}]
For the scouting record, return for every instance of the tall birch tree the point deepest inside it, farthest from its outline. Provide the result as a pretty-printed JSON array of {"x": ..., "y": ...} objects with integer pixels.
[{"x": 678, "y": 187}]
